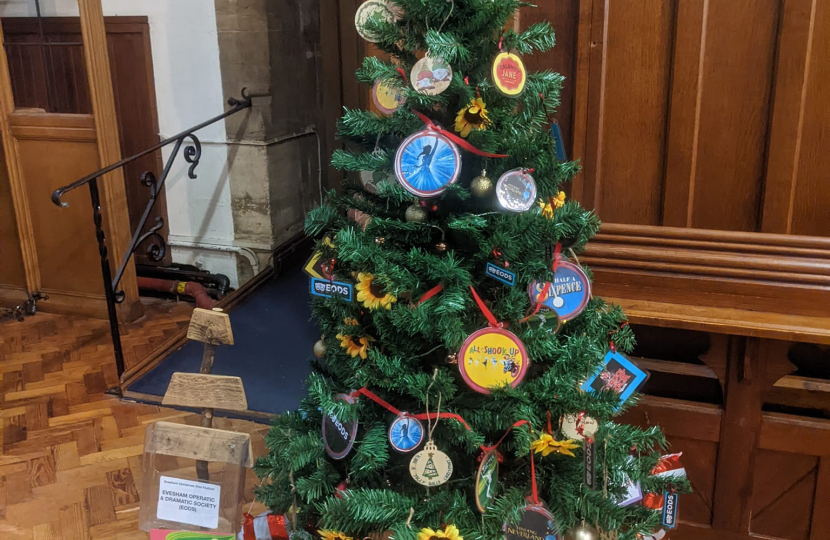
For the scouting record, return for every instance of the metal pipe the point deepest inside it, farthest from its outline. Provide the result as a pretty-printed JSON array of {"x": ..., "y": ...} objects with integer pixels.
[{"x": 248, "y": 253}]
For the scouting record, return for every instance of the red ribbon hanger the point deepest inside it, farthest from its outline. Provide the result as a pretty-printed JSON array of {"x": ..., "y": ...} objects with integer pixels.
[
  {"x": 494, "y": 323},
  {"x": 557, "y": 254},
  {"x": 457, "y": 140},
  {"x": 430, "y": 293}
]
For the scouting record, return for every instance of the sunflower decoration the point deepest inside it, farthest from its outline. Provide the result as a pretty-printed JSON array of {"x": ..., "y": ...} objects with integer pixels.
[
  {"x": 473, "y": 116},
  {"x": 450, "y": 532},
  {"x": 355, "y": 345},
  {"x": 372, "y": 293},
  {"x": 333, "y": 535},
  {"x": 546, "y": 445},
  {"x": 350, "y": 321},
  {"x": 552, "y": 204}
]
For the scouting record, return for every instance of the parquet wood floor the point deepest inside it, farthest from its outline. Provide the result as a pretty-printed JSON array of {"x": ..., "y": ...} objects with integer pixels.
[{"x": 70, "y": 456}]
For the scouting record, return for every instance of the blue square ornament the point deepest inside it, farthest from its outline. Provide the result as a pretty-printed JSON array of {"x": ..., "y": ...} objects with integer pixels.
[{"x": 619, "y": 374}]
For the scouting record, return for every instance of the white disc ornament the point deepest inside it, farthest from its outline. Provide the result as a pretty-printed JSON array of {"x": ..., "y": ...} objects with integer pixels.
[
  {"x": 516, "y": 190},
  {"x": 430, "y": 467},
  {"x": 579, "y": 427},
  {"x": 431, "y": 76},
  {"x": 374, "y": 10}
]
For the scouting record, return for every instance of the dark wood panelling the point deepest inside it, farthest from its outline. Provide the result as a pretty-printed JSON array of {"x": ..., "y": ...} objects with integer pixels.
[
  {"x": 626, "y": 140},
  {"x": 785, "y": 484}
]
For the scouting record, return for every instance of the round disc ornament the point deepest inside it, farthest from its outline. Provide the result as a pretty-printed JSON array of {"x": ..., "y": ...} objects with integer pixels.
[
  {"x": 579, "y": 426},
  {"x": 387, "y": 97},
  {"x": 431, "y": 76},
  {"x": 426, "y": 163},
  {"x": 406, "y": 433},
  {"x": 568, "y": 294},
  {"x": 487, "y": 480},
  {"x": 492, "y": 357},
  {"x": 537, "y": 523},
  {"x": 509, "y": 74},
  {"x": 516, "y": 190},
  {"x": 372, "y": 10},
  {"x": 430, "y": 467},
  {"x": 338, "y": 437}
]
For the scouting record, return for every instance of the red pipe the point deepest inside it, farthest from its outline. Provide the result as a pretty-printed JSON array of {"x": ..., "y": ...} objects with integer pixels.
[{"x": 190, "y": 288}]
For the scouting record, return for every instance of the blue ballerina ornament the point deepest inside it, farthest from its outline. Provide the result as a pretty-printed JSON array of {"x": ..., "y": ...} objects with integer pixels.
[
  {"x": 426, "y": 163},
  {"x": 406, "y": 433}
]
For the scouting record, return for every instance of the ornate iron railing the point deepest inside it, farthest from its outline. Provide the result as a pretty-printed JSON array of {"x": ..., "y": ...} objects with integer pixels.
[{"x": 157, "y": 247}]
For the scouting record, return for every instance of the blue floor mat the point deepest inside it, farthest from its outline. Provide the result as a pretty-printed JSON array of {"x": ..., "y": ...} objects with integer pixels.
[{"x": 272, "y": 351}]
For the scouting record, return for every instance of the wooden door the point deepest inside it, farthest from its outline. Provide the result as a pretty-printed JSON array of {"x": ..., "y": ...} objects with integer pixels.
[
  {"x": 45, "y": 149},
  {"x": 128, "y": 40}
]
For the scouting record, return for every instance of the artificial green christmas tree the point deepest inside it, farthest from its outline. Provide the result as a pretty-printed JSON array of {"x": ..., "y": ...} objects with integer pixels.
[{"x": 464, "y": 380}]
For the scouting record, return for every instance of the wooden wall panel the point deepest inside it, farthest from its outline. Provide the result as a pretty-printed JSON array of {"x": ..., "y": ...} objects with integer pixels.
[
  {"x": 784, "y": 485},
  {"x": 12, "y": 272},
  {"x": 630, "y": 75}
]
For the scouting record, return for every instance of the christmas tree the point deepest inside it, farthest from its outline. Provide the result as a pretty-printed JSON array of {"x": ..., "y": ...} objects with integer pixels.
[{"x": 468, "y": 381}]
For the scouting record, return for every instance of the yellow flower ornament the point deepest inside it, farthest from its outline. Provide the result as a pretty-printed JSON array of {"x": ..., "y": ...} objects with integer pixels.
[
  {"x": 473, "y": 116},
  {"x": 355, "y": 345},
  {"x": 552, "y": 204},
  {"x": 450, "y": 532},
  {"x": 333, "y": 535},
  {"x": 372, "y": 294},
  {"x": 546, "y": 445}
]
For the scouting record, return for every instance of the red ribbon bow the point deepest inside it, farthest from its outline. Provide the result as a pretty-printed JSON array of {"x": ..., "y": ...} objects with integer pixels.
[{"x": 457, "y": 140}]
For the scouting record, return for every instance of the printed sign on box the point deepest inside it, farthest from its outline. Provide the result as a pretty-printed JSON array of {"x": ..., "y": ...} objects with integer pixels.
[
  {"x": 162, "y": 534},
  {"x": 187, "y": 501}
]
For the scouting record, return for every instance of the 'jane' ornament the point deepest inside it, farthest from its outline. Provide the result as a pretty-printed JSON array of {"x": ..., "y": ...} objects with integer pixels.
[
  {"x": 567, "y": 295},
  {"x": 339, "y": 436},
  {"x": 426, "y": 163},
  {"x": 406, "y": 433},
  {"x": 509, "y": 74},
  {"x": 516, "y": 190}
]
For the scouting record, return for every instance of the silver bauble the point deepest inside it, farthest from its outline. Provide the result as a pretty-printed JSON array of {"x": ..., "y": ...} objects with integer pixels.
[{"x": 319, "y": 349}]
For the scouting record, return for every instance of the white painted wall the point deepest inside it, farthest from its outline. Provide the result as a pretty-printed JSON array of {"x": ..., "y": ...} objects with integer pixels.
[{"x": 188, "y": 90}]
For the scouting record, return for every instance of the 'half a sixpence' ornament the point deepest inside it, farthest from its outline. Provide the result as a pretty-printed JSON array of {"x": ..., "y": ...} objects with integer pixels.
[
  {"x": 405, "y": 433},
  {"x": 377, "y": 11},
  {"x": 487, "y": 480},
  {"x": 387, "y": 97},
  {"x": 567, "y": 295},
  {"x": 426, "y": 163},
  {"x": 509, "y": 74},
  {"x": 431, "y": 76},
  {"x": 537, "y": 523},
  {"x": 516, "y": 190},
  {"x": 338, "y": 436},
  {"x": 430, "y": 467},
  {"x": 492, "y": 357}
]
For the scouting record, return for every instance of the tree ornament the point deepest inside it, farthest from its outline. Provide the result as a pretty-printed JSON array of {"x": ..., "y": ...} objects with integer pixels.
[
  {"x": 415, "y": 213},
  {"x": 430, "y": 467},
  {"x": 487, "y": 480},
  {"x": 482, "y": 185},
  {"x": 341, "y": 487},
  {"x": 406, "y": 433},
  {"x": 516, "y": 190},
  {"x": 509, "y": 74},
  {"x": 387, "y": 97},
  {"x": 452, "y": 359},
  {"x": 583, "y": 531},
  {"x": 380, "y": 240},
  {"x": 355, "y": 345},
  {"x": 567, "y": 295},
  {"x": 426, "y": 163},
  {"x": 472, "y": 117},
  {"x": 450, "y": 532},
  {"x": 492, "y": 357},
  {"x": 320, "y": 349},
  {"x": 431, "y": 76},
  {"x": 338, "y": 436},
  {"x": 536, "y": 522},
  {"x": 375, "y": 10},
  {"x": 579, "y": 426},
  {"x": 372, "y": 293},
  {"x": 546, "y": 445},
  {"x": 333, "y": 535},
  {"x": 441, "y": 247}
]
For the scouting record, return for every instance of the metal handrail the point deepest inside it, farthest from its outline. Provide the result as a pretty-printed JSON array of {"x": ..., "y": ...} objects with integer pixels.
[{"x": 156, "y": 250}]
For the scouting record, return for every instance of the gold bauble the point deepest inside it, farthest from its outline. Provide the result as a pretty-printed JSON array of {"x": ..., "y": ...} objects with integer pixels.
[
  {"x": 380, "y": 240},
  {"x": 583, "y": 531},
  {"x": 416, "y": 213},
  {"x": 441, "y": 247},
  {"x": 319, "y": 349},
  {"x": 482, "y": 185}
]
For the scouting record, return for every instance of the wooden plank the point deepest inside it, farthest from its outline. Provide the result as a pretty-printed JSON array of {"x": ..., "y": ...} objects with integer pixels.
[
  {"x": 99, "y": 505},
  {"x": 778, "y": 431},
  {"x": 73, "y": 521},
  {"x": 123, "y": 487},
  {"x": 699, "y": 421},
  {"x": 820, "y": 526},
  {"x": 213, "y": 391},
  {"x": 210, "y": 326},
  {"x": 205, "y": 444}
]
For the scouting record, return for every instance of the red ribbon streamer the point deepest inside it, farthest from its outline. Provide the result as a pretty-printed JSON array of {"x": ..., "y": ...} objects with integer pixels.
[
  {"x": 430, "y": 293},
  {"x": 403, "y": 74},
  {"x": 580, "y": 426},
  {"x": 533, "y": 479},
  {"x": 515, "y": 425},
  {"x": 423, "y": 416},
  {"x": 557, "y": 254},
  {"x": 494, "y": 323},
  {"x": 457, "y": 140}
]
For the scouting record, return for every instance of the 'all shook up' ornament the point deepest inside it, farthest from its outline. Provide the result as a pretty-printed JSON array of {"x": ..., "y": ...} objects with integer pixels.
[{"x": 492, "y": 357}]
